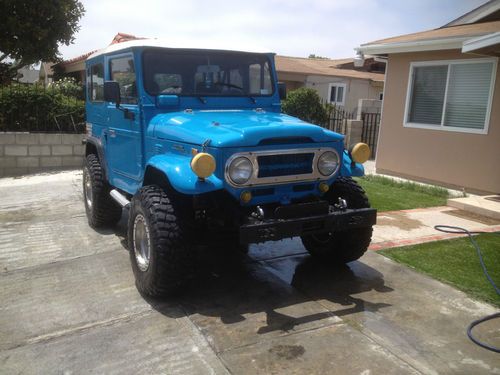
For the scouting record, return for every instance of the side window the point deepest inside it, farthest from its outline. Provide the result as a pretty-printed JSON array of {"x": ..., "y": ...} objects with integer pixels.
[
  {"x": 337, "y": 93},
  {"x": 123, "y": 72},
  {"x": 96, "y": 84}
]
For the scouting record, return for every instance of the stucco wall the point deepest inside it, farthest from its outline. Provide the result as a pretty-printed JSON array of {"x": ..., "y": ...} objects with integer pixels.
[
  {"x": 460, "y": 160},
  {"x": 24, "y": 153}
]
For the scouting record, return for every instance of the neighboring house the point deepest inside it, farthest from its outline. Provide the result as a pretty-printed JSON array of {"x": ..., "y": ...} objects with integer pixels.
[
  {"x": 46, "y": 75},
  {"x": 441, "y": 113},
  {"x": 75, "y": 67},
  {"x": 27, "y": 74},
  {"x": 337, "y": 81}
]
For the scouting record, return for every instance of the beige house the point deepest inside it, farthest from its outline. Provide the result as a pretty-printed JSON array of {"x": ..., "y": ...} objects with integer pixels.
[
  {"x": 441, "y": 113},
  {"x": 337, "y": 81}
]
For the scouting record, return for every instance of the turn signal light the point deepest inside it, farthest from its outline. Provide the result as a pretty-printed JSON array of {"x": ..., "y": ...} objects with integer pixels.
[
  {"x": 245, "y": 196},
  {"x": 323, "y": 187}
]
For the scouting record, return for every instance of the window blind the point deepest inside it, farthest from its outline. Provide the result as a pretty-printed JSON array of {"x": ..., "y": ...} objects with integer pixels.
[
  {"x": 468, "y": 95},
  {"x": 429, "y": 86}
]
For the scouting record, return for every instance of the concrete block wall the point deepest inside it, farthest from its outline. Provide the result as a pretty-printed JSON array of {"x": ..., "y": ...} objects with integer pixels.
[
  {"x": 354, "y": 129},
  {"x": 368, "y": 106},
  {"x": 25, "y": 153}
]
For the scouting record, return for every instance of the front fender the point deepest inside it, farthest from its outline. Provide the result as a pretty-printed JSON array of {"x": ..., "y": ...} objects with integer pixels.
[
  {"x": 178, "y": 170},
  {"x": 349, "y": 168}
]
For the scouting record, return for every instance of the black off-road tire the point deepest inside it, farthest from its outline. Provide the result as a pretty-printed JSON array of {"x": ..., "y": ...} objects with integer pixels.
[
  {"x": 345, "y": 246},
  {"x": 102, "y": 211},
  {"x": 169, "y": 240},
  {"x": 230, "y": 243}
]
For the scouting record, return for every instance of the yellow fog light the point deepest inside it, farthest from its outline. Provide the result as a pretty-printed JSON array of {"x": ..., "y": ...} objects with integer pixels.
[
  {"x": 360, "y": 152},
  {"x": 246, "y": 196},
  {"x": 203, "y": 164},
  {"x": 323, "y": 187}
]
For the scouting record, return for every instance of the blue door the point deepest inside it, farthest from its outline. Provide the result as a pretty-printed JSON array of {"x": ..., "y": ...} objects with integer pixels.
[{"x": 123, "y": 134}]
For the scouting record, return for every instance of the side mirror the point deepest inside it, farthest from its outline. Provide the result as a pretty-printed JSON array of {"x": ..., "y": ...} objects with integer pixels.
[
  {"x": 112, "y": 92},
  {"x": 282, "y": 90}
]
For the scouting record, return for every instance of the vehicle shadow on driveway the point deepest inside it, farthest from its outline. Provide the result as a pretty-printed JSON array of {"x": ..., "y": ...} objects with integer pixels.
[
  {"x": 244, "y": 296},
  {"x": 235, "y": 297}
]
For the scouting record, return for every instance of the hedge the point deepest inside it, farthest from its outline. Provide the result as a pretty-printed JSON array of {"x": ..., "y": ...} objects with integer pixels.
[
  {"x": 34, "y": 108},
  {"x": 306, "y": 104}
]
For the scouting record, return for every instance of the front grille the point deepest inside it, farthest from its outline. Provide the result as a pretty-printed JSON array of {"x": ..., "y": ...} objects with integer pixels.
[{"x": 285, "y": 164}]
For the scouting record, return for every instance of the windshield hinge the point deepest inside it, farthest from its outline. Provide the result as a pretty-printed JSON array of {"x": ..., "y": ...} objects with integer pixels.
[{"x": 205, "y": 144}]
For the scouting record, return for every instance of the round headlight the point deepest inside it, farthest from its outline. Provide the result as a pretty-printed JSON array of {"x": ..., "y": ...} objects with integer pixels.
[
  {"x": 328, "y": 163},
  {"x": 240, "y": 170}
]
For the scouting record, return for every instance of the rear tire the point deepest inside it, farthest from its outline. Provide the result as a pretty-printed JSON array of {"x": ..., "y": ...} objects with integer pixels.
[
  {"x": 102, "y": 211},
  {"x": 345, "y": 246},
  {"x": 160, "y": 238}
]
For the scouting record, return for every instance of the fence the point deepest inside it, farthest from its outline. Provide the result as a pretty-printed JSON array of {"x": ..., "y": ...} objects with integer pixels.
[
  {"x": 59, "y": 108},
  {"x": 337, "y": 120},
  {"x": 369, "y": 133}
]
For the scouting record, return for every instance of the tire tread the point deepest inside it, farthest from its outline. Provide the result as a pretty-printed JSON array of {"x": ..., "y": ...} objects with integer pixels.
[{"x": 105, "y": 211}]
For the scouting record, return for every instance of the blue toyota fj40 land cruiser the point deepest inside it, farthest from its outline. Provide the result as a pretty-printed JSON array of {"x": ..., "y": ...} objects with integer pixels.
[{"x": 193, "y": 141}]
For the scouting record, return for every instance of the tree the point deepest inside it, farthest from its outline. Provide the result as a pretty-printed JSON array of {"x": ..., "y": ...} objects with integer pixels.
[
  {"x": 314, "y": 56},
  {"x": 33, "y": 30},
  {"x": 305, "y": 104}
]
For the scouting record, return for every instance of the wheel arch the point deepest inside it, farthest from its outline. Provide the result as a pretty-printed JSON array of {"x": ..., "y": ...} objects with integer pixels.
[
  {"x": 155, "y": 176},
  {"x": 176, "y": 171}
]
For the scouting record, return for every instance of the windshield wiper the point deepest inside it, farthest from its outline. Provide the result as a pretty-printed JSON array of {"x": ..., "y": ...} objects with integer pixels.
[
  {"x": 201, "y": 99},
  {"x": 228, "y": 85}
]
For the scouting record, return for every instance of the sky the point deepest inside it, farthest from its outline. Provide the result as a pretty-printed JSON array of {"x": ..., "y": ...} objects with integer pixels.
[{"x": 329, "y": 28}]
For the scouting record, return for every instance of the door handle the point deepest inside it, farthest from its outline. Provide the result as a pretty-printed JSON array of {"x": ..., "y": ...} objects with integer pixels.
[{"x": 112, "y": 133}]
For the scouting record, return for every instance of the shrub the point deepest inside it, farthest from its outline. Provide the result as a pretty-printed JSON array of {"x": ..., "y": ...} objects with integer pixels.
[
  {"x": 38, "y": 109},
  {"x": 68, "y": 86},
  {"x": 305, "y": 104}
]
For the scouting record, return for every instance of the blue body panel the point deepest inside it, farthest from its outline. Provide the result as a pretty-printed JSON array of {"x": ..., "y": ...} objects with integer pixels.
[
  {"x": 163, "y": 135},
  {"x": 181, "y": 177},
  {"x": 238, "y": 128}
]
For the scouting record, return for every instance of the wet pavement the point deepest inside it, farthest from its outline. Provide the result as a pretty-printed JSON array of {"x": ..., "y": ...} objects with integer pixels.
[
  {"x": 68, "y": 304},
  {"x": 409, "y": 227}
]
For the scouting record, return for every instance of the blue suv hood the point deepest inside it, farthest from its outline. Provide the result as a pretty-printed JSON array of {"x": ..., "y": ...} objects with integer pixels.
[{"x": 234, "y": 128}]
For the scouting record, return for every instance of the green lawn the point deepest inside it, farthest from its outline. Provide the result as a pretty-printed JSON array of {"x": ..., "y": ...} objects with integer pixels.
[
  {"x": 455, "y": 262},
  {"x": 386, "y": 194}
]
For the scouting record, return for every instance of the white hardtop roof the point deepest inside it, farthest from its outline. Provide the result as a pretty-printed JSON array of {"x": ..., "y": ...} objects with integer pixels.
[{"x": 161, "y": 43}]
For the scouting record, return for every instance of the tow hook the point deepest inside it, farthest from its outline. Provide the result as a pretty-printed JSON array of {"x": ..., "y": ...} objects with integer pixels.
[
  {"x": 259, "y": 213},
  {"x": 342, "y": 205}
]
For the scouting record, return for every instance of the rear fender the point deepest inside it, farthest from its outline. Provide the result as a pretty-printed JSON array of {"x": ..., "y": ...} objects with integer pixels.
[{"x": 177, "y": 170}]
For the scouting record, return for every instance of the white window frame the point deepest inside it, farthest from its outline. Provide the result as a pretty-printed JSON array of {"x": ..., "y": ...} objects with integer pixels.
[
  {"x": 408, "y": 124},
  {"x": 330, "y": 92}
]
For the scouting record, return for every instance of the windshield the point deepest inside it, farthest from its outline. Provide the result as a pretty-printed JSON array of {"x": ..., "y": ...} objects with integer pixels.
[{"x": 207, "y": 73}]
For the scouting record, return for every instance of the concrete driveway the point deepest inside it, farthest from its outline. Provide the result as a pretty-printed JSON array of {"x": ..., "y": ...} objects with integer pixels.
[{"x": 68, "y": 305}]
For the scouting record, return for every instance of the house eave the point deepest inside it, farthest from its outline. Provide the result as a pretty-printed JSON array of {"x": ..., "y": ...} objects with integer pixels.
[
  {"x": 484, "y": 41},
  {"x": 413, "y": 46}
]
